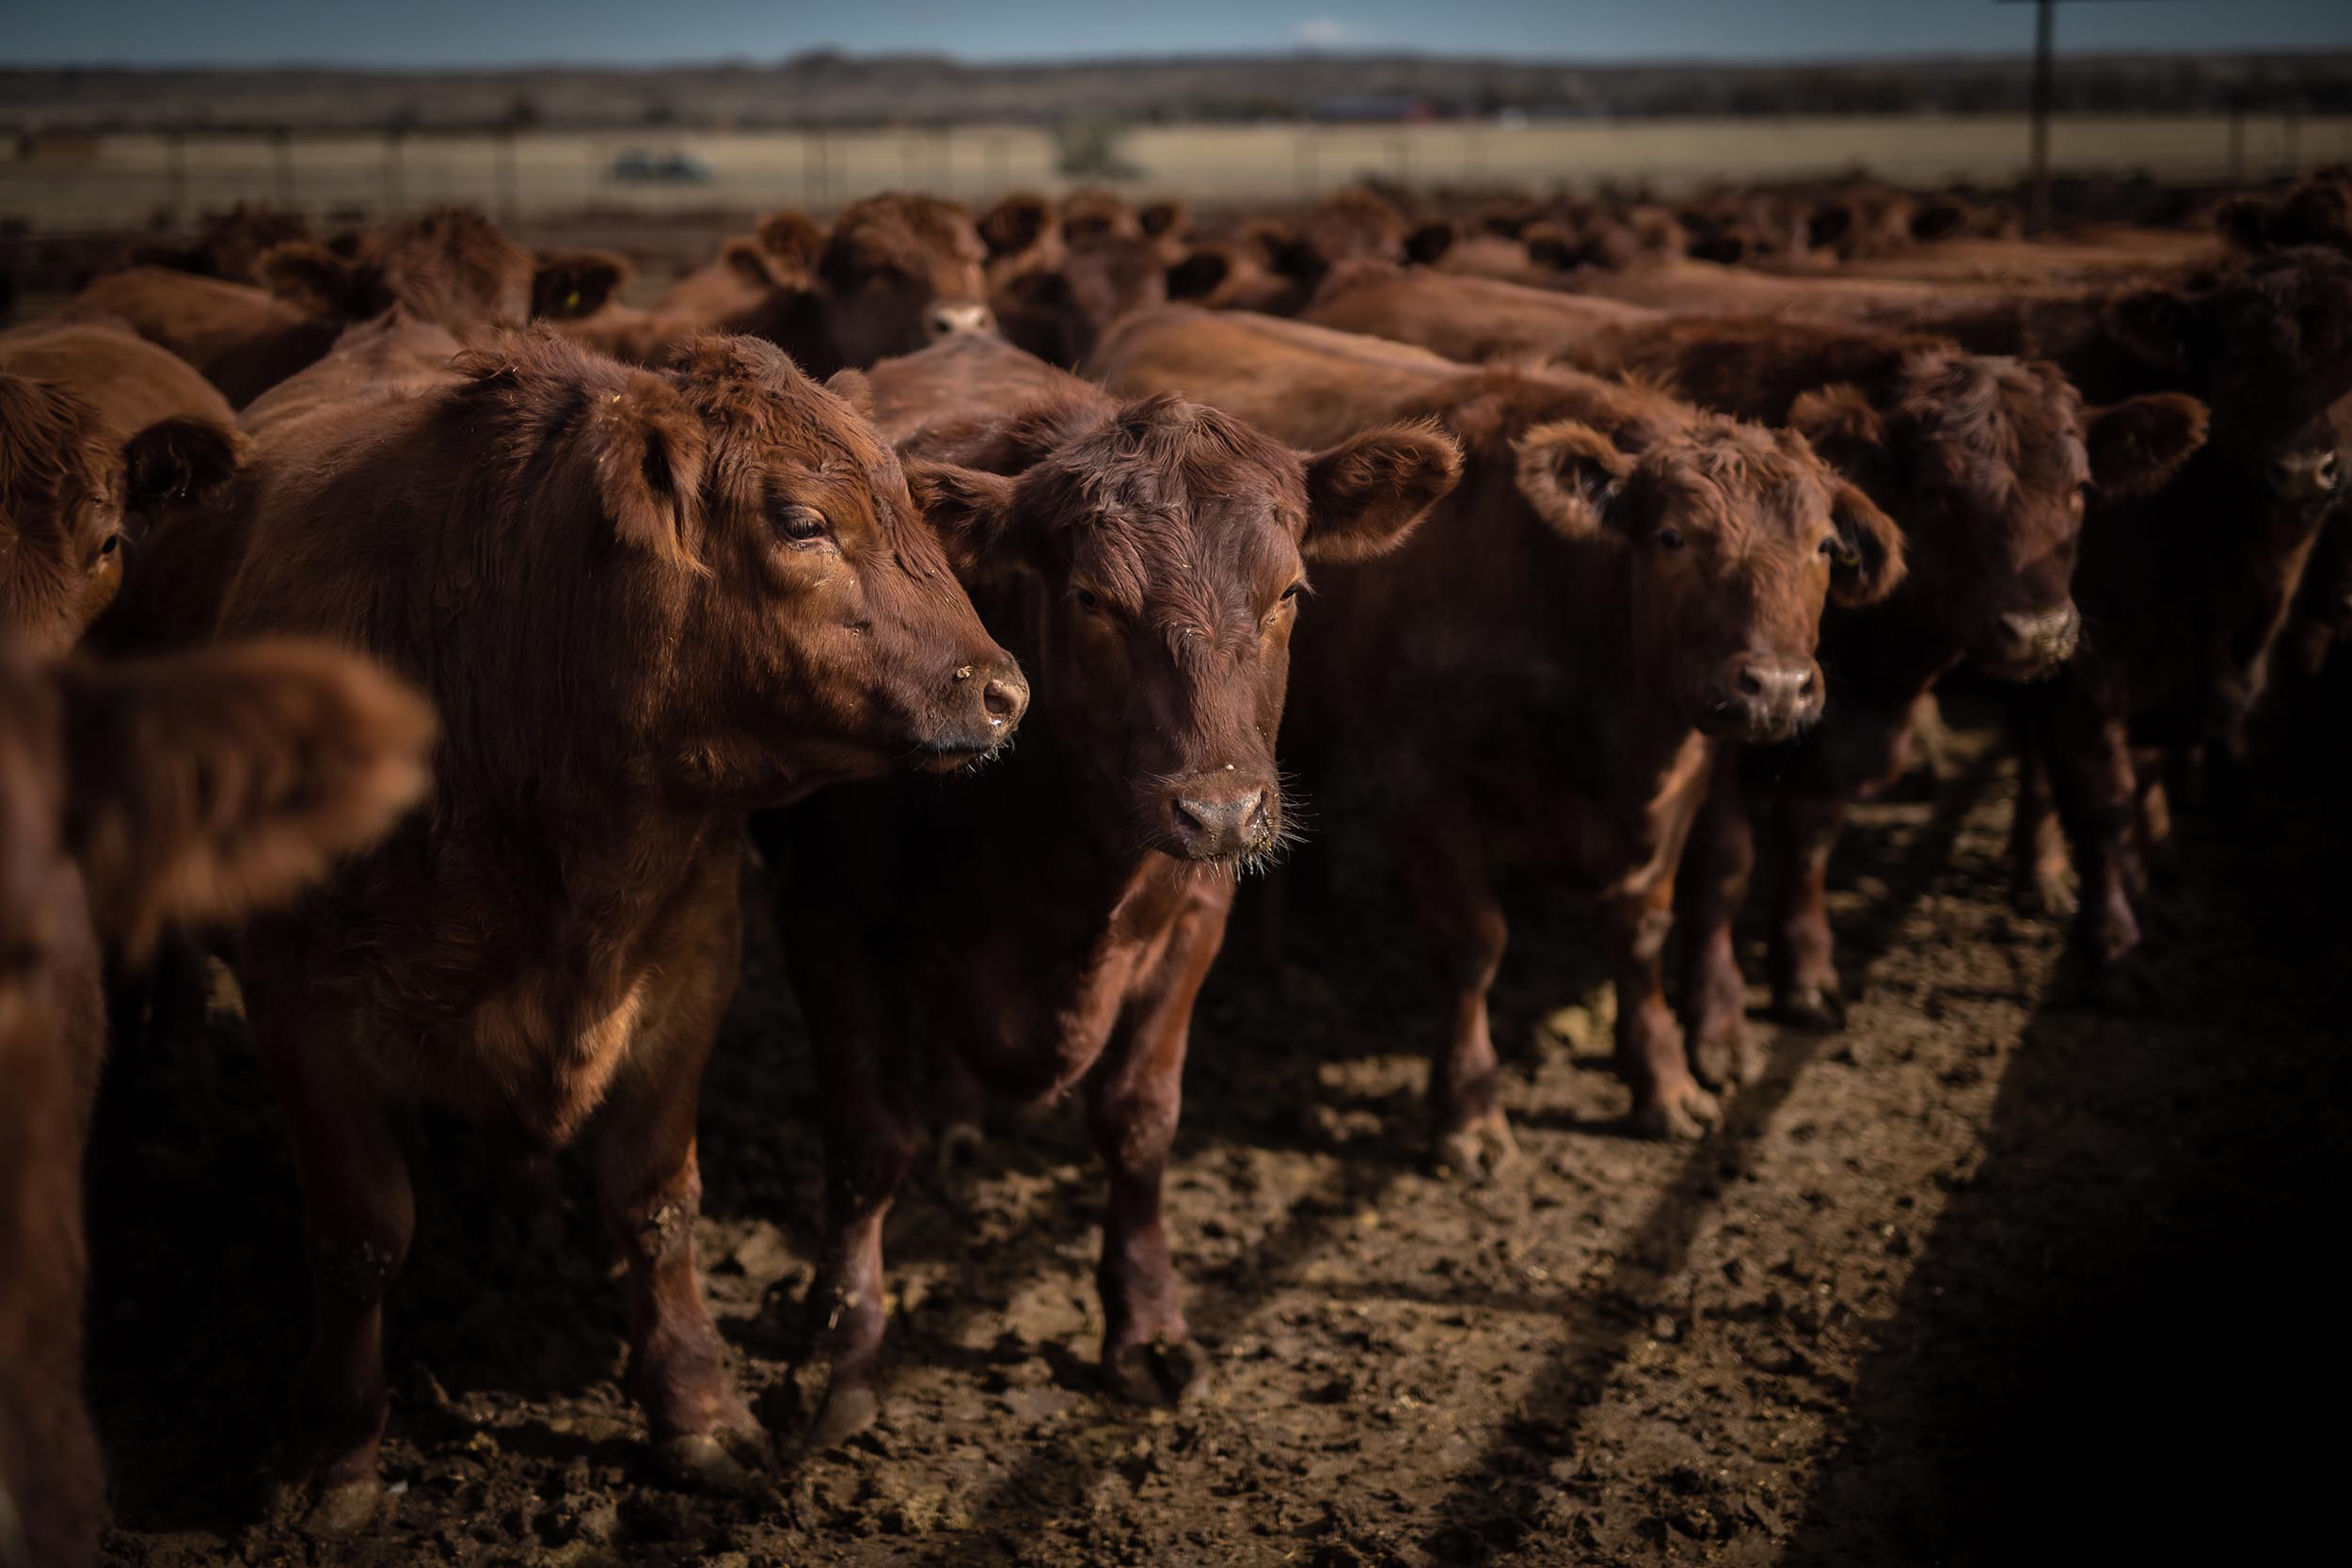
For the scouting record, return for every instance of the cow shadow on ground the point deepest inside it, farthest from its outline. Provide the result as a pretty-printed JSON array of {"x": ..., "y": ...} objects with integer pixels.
[{"x": 2118, "y": 1345}]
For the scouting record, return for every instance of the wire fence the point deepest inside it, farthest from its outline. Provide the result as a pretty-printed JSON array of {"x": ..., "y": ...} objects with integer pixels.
[{"x": 101, "y": 182}]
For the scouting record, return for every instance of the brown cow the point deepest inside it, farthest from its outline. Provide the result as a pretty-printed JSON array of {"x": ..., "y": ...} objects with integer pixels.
[
  {"x": 228, "y": 244},
  {"x": 2191, "y": 586},
  {"x": 130, "y": 798},
  {"x": 896, "y": 272},
  {"x": 1617, "y": 579},
  {"x": 101, "y": 433},
  {"x": 448, "y": 266},
  {"x": 1985, "y": 464},
  {"x": 1146, "y": 561},
  {"x": 645, "y": 605}
]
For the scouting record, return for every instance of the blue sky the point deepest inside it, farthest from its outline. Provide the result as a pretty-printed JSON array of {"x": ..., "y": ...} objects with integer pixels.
[{"x": 435, "y": 33}]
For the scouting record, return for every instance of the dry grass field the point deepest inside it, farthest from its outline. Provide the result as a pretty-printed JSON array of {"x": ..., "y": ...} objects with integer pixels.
[{"x": 120, "y": 181}]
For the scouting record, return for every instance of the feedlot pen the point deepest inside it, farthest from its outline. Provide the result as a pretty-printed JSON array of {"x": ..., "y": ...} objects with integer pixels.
[{"x": 1990, "y": 1277}]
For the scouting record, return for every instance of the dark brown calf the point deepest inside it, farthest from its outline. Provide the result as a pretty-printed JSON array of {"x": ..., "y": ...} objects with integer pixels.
[
  {"x": 1048, "y": 923},
  {"x": 132, "y": 798},
  {"x": 1983, "y": 462},
  {"x": 1534, "y": 678},
  {"x": 101, "y": 433},
  {"x": 645, "y": 604}
]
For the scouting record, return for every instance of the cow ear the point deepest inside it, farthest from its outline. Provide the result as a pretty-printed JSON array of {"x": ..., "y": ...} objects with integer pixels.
[
  {"x": 1869, "y": 558},
  {"x": 750, "y": 263},
  {"x": 2138, "y": 445},
  {"x": 208, "y": 786},
  {"x": 1840, "y": 423},
  {"x": 2161, "y": 328},
  {"x": 1429, "y": 241},
  {"x": 182, "y": 458},
  {"x": 578, "y": 283},
  {"x": 1574, "y": 476},
  {"x": 852, "y": 388},
  {"x": 1164, "y": 220},
  {"x": 317, "y": 280},
  {"x": 1015, "y": 224},
  {"x": 973, "y": 514},
  {"x": 1366, "y": 493},
  {"x": 1200, "y": 273},
  {"x": 1551, "y": 245},
  {"x": 795, "y": 237},
  {"x": 37, "y": 421},
  {"x": 648, "y": 464},
  {"x": 2244, "y": 222}
]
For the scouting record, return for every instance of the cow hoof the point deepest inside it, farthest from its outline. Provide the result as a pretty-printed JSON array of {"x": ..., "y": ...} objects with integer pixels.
[
  {"x": 1727, "y": 1060},
  {"x": 1479, "y": 1152},
  {"x": 707, "y": 1461},
  {"x": 1158, "y": 1370},
  {"x": 2050, "y": 895},
  {"x": 1820, "y": 1008},
  {"x": 344, "y": 1508},
  {"x": 1687, "y": 1114},
  {"x": 846, "y": 1413}
]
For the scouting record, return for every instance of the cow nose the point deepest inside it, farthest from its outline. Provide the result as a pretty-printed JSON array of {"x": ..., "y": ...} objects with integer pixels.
[
  {"x": 2038, "y": 641},
  {"x": 949, "y": 320},
  {"x": 1770, "y": 696},
  {"x": 1004, "y": 695},
  {"x": 1221, "y": 814}
]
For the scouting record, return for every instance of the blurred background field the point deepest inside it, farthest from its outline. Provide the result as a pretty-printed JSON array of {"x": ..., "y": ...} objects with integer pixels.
[{"x": 87, "y": 182}]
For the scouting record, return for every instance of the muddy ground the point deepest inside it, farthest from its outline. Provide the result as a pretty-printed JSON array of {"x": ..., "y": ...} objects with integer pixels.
[{"x": 1990, "y": 1277}]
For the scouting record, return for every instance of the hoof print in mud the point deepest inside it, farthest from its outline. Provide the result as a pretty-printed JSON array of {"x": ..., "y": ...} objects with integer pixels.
[{"x": 1157, "y": 1372}]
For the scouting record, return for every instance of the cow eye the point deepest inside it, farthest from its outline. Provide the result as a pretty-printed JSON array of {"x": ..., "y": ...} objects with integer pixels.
[
  {"x": 113, "y": 543},
  {"x": 802, "y": 525},
  {"x": 1089, "y": 599},
  {"x": 1290, "y": 594},
  {"x": 2326, "y": 472},
  {"x": 1669, "y": 539}
]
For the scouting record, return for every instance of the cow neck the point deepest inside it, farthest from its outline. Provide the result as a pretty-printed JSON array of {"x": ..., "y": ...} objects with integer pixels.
[{"x": 1622, "y": 669}]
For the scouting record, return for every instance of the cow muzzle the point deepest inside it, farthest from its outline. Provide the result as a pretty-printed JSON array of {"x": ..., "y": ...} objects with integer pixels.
[
  {"x": 1225, "y": 816},
  {"x": 1763, "y": 698},
  {"x": 2030, "y": 644},
  {"x": 984, "y": 706},
  {"x": 957, "y": 319}
]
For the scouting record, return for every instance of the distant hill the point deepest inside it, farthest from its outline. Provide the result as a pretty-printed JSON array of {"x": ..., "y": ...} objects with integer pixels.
[{"x": 840, "y": 90}]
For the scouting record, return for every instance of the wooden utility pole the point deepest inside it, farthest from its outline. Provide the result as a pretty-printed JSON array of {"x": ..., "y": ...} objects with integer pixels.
[{"x": 2044, "y": 67}]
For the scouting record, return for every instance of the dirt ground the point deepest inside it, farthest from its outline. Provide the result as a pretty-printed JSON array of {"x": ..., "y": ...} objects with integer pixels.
[{"x": 1990, "y": 1277}]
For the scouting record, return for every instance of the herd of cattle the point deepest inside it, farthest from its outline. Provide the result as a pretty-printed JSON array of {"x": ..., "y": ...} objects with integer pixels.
[{"x": 429, "y": 632}]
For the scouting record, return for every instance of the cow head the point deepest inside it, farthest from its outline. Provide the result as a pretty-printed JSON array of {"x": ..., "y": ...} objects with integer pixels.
[
  {"x": 449, "y": 266},
  {"x": 899, "y": 271},
  {"x": 1059, "y": 313},
  {"x": 1158, "y": 553},
  {"x": 73, "y": 495},
  {"x": 1987, "y": 463},
  {"x": 1734, "y": 537},
  {"x": 2268, "y": 345},
  {"x": 776, "y": 614}
]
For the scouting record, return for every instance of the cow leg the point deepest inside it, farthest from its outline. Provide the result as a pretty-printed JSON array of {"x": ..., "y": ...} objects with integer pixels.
[
  {"x": 1447, "y": 878},
  {"x": 2041, "y": 874},
  {"x": 1667, "y": 1099},
  {"x": 1716, "y": 864},
  {"x": 359, "y": 1213},
  {"x": 1805, "y": 987},
  {"x": 1133, "y": 1099},
  {"x": 2091, "y": 776},
  {"x": 649, "y": 1186},
  {"x": 869, "y": 1146}
]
